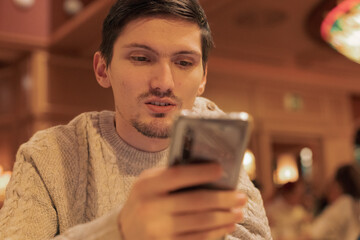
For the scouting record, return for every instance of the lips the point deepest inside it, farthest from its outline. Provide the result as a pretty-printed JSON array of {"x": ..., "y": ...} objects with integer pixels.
[{"x": 160, "y": 105}]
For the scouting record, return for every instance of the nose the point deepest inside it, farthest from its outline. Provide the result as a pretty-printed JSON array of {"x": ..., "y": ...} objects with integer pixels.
[{"x": 163, "y": 77}]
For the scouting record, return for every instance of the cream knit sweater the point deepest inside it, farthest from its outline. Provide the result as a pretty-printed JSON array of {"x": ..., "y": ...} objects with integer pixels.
[{"x": 70, "y": 181}]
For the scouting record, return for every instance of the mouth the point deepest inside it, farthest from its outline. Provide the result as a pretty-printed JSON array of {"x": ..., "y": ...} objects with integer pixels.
[
  {"x": 160, "y": 105},
  {"x": 163, "y": 104}
]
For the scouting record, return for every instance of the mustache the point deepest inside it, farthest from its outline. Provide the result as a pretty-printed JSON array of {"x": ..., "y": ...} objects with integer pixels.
[{"x": 156, "y": 92}]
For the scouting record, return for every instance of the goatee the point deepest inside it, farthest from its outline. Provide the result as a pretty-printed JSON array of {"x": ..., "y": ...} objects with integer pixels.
[{"x": 151, "y": 130}]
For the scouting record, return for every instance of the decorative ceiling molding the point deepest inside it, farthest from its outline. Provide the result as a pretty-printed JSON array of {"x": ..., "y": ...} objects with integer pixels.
[
  {"x": 17, "y": 41},
  {"x": 78, "y": 30}
]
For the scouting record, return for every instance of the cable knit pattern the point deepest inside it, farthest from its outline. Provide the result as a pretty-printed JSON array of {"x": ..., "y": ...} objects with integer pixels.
[{"x": 70, "y": 181}]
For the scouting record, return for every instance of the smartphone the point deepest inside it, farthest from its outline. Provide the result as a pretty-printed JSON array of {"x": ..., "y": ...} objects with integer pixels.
[{"x": 221, "y": 138}]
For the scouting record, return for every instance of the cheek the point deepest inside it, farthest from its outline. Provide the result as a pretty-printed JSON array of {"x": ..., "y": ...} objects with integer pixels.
[
  {"x": 124, "y": 83},
  {"x": 194, "y": 84},
  {"x": 122, "y": 91},
  {"x": 120, "y": 88},
  {"x": 187, "y": 91}
]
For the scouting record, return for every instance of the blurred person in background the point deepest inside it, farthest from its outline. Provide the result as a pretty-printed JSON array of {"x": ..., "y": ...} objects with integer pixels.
[
  {"x": 287, "y": 216},
  {"x": 340, "y": 220}
]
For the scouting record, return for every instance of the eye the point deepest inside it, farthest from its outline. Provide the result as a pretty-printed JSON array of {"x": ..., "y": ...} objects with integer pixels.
[
  {"x": 139, "y": 59},
  {"x": 183, "y": 63}
]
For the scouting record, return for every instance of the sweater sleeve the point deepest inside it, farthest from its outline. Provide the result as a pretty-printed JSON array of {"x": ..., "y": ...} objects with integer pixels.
[
  {"x": 29, "y": 213},
  {"x": 102, "y": 228},
  {"x": 255, "y": 224}
]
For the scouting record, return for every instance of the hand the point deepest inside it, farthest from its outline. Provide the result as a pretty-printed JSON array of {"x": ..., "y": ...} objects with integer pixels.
[{"x": 152, "y": 212}]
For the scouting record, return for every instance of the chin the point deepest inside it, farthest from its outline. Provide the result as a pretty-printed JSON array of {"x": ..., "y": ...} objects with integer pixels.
[{"x": 164, "y": 118}]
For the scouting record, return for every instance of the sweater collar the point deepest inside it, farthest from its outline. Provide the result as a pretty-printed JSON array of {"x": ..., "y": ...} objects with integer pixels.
[{"x": 121, "y": 148}]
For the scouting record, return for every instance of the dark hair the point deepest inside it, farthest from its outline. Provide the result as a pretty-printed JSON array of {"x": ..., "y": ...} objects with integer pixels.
[
  {"x": 348, "y": 176},
  {"x": 124, "y": 11}
]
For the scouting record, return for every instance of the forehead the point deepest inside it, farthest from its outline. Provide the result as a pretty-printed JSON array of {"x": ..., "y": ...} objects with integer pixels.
[{"x": 161, "y": 31}]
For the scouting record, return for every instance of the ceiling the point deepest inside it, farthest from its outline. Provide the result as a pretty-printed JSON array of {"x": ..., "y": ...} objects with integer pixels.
[{"x": 281, "y": 33}]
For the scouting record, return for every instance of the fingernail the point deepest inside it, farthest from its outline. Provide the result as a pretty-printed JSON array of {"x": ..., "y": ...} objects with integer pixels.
[
  {"x": 241, "y": 199},
  {"x": 239, "y": 215}
]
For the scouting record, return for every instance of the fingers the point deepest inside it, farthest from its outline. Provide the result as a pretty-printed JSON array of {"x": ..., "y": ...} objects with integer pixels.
[
  {"x": 199, "y": 211},
  {"x": 152, "y": 212},
  {"x": 192, "y": 223},
  {"x": 201, "y": 221},
  {"x": 201, "y": 200},
  {"x": 162, "y": 181},
  {"x": 217, "y": 233}
]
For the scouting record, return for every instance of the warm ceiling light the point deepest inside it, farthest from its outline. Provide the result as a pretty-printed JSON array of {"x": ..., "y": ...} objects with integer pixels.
[
  {"x": 287, "y": 170},
  {"x": 249, "y": 164},
  {"x": 72, "y": 7},
  {"x": 4, "y": 180},
  {"x": 24, "y": 3},
  {"x": 341, "y": 29}
]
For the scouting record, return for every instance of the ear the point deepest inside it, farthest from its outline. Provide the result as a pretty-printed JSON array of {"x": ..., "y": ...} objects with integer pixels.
[
  {"x": 100, "y": 70},
  {"x": 201, "y": 88}
]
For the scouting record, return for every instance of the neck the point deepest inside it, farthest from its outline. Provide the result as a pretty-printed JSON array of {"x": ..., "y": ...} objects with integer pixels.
[{"x": 137, "y": 140}]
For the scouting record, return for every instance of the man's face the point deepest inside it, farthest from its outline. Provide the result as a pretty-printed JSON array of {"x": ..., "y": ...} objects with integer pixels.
[{"x": 156, "y": 71}]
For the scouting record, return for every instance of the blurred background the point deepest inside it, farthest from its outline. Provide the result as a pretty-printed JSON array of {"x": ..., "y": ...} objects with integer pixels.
[{"x": 269, "y": 60}]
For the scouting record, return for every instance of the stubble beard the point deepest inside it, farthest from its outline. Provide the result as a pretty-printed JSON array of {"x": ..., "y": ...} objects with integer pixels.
[
  {"x": 157, "y": 128},
  {"x": 154, "y": 129}
]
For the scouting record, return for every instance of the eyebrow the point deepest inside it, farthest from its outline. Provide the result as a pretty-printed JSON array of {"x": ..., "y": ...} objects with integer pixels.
[
  {"x": 137, "y": 45},
  {"x": 184, "y": 52}
]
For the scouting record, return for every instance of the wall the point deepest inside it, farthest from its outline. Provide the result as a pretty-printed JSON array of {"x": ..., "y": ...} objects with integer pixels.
[{"x": 15, "y": 116}]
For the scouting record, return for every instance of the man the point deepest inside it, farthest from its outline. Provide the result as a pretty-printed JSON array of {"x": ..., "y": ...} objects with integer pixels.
[{"x": 104, "y": 175}]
